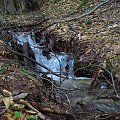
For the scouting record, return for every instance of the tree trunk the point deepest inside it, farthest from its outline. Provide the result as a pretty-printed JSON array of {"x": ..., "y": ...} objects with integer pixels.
[{"x": 19, "y": 6}]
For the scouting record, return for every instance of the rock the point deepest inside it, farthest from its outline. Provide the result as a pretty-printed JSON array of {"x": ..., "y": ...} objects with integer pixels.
[
  {"x": 115, "y": 25},
  {"x": 106, "y": 108},
  {"x": 104, "y": 33},
  {"x": 62, "y": 31},
  {"x": 52, "y": 27},
  {"x": 109, "y": 27},
  {"x": 105, "y": 37},
  {"x": 84, "y": 37},
  {"x": 80, "y": 27}
]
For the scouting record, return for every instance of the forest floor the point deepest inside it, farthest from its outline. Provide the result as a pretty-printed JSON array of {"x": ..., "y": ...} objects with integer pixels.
[{"x": 22, "y": 94}]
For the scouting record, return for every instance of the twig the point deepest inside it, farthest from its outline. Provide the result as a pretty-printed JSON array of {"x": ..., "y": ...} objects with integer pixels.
[
  {"x": 66, "y": 97},
  {"x": 34, "y": 109},
  {"x": 113, "y": 81},
  {"x": 13, "y": 26},
  {"x": 110, "y": 116},
  {"x": 57, "y": 111},
  {"x": 3, "y": 111},
  {"x": 59, "y": 88},
  {"x": 114, "y": 7}
]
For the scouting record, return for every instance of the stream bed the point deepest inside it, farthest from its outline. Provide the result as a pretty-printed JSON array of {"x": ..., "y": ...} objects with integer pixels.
[{"x": 91, "y": 101}]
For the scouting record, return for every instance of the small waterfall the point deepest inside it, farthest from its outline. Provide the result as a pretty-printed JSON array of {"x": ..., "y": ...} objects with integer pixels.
[{"x": 56, "y": 62}]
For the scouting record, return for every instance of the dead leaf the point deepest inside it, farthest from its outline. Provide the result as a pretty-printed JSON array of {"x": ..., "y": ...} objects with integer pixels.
[
  {"x": 7, "y": 101},
  {"x": 88, "y": 51},
  {"x": 7, "y": 93},
  {"x": 31, "y": 111}
]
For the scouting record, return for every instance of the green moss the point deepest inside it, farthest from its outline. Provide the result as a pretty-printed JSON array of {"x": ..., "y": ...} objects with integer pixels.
[
  {"x": 88, "y": 21},
  {"x": 82, "y": 4}
]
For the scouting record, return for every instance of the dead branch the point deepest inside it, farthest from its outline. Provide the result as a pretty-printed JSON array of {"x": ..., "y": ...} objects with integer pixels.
[
  {"x": 69, "y": 19},
  {"x": 3, "y": 111},
  {"x": 62, "y": 112},
  {"x": 85, "y": 14},
  {"x": 14, "y": 25},
  {"x": 113, "y": 81},
  {"x": 111, "y": 8},
  {"x": 110, "y": 116},
  {"x": 56, "y": 111},
  {"x": 34, "y": 109}
]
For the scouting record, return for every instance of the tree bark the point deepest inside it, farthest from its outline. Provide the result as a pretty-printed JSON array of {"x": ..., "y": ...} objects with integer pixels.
[{"x": 19, "y": 6}]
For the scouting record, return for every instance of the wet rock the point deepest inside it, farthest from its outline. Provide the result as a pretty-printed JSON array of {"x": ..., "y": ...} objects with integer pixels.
[
  {"x": 73, "y": 84},
  {"x": 103, "y": 85},
  {"x": 106, "y": 108}
]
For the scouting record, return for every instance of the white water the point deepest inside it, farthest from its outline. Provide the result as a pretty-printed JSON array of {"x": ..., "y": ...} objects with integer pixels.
[{"x": 56, "y": 63}]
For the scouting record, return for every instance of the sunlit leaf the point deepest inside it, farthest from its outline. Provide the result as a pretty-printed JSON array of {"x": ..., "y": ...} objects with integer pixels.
[
  {"x": 7, "y": 101},
  {"x": 88, "y": 21},
  {"x": 20, "y": 106},
  {"x": 82, "y": 4},
  {"x": 32, "y": 117},
  {"x": 17, "y": 114}
]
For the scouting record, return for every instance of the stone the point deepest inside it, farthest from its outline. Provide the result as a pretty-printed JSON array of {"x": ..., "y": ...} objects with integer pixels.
[{"x": 84, "y": 37}]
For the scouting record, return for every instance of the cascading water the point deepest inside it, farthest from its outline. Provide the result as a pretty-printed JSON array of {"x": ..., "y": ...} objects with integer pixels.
[
  {"x": 55, "y": 62},
  {"x": 71, "y": 65}
]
